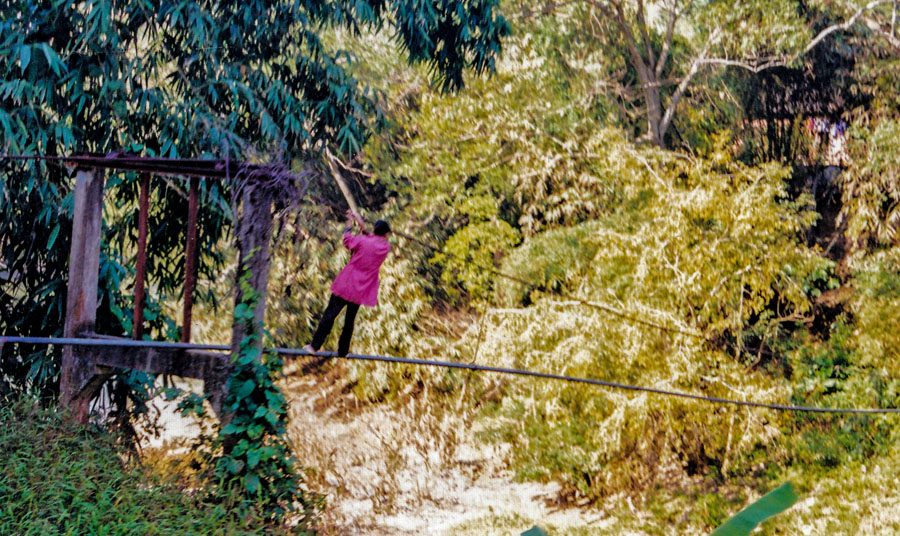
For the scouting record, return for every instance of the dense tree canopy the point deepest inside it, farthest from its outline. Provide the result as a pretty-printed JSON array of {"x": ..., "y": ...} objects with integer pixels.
[{"x": 182, "y": 77}]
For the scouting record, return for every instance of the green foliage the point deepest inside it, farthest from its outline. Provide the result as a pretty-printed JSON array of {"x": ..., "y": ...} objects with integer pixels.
[
  {"x": 469, "y": 255},
  {"x": 172, "y": 77},
  {"x": 829, "y": 374},
  {"x": 546, "y": 164},
  {"x": 705, "y": 245},
  {"x": 256, "y": 460},
  {"x": 713, "y": 240},
  {"x": 755, "y": 29},
  {"x": 875, "y": 311},
  {"x": 871, "y": 196},
  {"x": 552, "y": 261},
  {"x": 533, "y": 171},
  {"x": 60, "y": 478},
  {"x": 181, "y": 78},
  {"x": 713, "y": 508},
  {"x": 547, "y": 450}
]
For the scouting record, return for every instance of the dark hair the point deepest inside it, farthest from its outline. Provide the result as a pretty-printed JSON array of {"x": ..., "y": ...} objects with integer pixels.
[{"x": 381, "y": 228}]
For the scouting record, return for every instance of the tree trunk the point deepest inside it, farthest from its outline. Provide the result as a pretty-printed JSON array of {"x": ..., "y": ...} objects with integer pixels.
[
  {"x": 653, "y": 102},
  {"x": 254, "y": 231}
]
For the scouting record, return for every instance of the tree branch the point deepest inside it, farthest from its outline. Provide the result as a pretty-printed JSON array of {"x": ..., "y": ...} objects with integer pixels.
[
  {"x": 329, "y": 158},
  {"x": 685, "y": 82},
  {"x": 630, "y": 40},
  {"x": 645, "y": 35},
  {"x": 674, "y": 15},
  {"x": 842, "y": 27},
  {"x": 894, "y": 17},
  {"x": 780, "y": 61},
  {"x": 888, "y": 36},
  {"x": 768, "y": 63}
]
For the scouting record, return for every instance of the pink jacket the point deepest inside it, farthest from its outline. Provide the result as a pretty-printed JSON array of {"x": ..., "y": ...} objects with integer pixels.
[{"x": 358, "y": 281}]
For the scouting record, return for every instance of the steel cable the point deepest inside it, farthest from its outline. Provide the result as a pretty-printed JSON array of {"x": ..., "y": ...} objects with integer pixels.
[{"x": 452, "y": 365}]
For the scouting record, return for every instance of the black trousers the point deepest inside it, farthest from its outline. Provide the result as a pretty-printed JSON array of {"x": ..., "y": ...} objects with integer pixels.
[{"x": 335, "y": 304}]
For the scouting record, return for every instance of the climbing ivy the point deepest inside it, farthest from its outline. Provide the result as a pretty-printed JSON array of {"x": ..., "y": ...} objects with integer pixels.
[
  {"x": 255, "y": 455},
  {"x": 248, "y": 456}
]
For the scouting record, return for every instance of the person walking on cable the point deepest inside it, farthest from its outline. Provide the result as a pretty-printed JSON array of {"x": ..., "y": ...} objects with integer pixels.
[{"x": 357, "y": 284}]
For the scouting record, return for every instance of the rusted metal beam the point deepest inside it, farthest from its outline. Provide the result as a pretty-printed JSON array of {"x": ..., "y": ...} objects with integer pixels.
[
  {"x": 187, "y": 167},
  {"x": 141, "y": 271},
  {"x": 190, "y": 261}
]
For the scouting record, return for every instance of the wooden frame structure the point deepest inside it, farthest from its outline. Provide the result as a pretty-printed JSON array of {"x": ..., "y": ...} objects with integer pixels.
[{"x": 85, "y": 368}]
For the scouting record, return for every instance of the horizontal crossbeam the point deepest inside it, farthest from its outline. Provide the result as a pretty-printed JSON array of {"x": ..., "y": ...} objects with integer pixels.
[{"x": 187, "y": 167}]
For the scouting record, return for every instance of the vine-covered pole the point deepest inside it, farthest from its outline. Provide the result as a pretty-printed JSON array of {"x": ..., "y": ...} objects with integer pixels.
[
  {"x": 253, "y": 213},
  {"x": 253, "y": 235}
]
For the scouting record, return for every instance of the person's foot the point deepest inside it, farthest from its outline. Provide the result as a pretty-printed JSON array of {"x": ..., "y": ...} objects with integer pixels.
[{"x": 310, "y": 349}]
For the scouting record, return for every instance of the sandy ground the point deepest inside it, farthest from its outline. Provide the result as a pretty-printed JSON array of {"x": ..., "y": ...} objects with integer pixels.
[
  {"x": 394, "y": 469},
  {"x": 407, "y": 468}
]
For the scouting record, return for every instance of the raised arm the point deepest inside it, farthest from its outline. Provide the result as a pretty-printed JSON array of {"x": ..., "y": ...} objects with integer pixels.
[{"x": 351, "y": 241}]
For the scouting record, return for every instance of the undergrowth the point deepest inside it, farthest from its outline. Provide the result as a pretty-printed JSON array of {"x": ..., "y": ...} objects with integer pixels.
[{"x": 59, "y": 478}]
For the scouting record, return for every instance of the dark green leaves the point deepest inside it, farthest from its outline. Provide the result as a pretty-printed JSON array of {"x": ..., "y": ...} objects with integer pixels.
[
  {"x": 253, "y": 72},
  {"x": 244, "y": 389},
  {"x": 451, "y": 36},
  {"x": 255, "y": 459},
  {"x": 24, "y": 57}
]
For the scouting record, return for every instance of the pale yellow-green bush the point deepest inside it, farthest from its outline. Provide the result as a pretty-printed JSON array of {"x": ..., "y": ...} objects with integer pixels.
[
  {"x": 554, "y": 260},
  {"x": 711, "y": 242},
  {"x": 700, "y": 247},
  {"x": 871, "y": 186},
  {"x": 876, "y": 309},
  {"x": 605, "y": 441}
]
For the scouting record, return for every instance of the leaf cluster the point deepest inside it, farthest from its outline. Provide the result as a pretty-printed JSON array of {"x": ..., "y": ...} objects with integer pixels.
[{"x": 256, "y": 460}]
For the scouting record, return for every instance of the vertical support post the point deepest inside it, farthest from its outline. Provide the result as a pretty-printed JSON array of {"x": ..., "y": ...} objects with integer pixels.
[
  {"x": 254, "y": 234},
  {"x": 141, "y": 272},
  {"x": 78, "y": 370},
  {"x": 254, "y": 231},
  {"x": 190, "y": 261}
]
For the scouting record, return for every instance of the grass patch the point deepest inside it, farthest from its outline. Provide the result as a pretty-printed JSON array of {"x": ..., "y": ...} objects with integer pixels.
[{"x": 57, "y": 478}]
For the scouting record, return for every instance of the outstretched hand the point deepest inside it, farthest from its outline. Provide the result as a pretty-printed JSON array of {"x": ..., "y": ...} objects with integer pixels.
[{"x": 354, "y": 217}]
